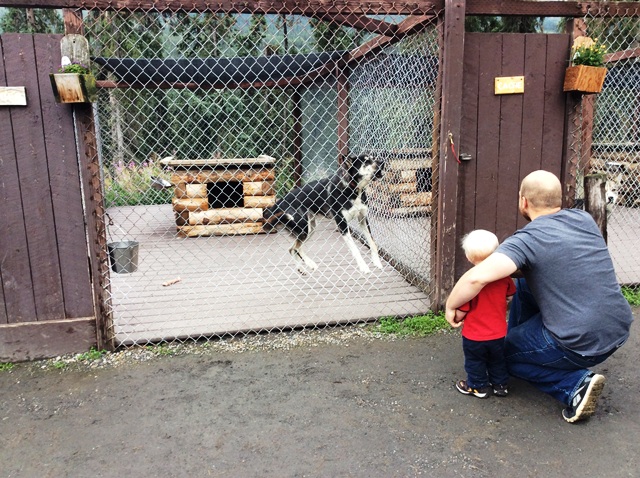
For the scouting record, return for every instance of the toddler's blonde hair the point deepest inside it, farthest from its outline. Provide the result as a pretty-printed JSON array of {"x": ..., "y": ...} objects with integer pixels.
[{"x": 479, "y": 244}]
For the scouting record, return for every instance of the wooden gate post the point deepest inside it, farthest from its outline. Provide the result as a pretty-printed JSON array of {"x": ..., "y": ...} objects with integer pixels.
[
  {"x": 94, "y": 203},
  {"x": 446, "y": 232}
]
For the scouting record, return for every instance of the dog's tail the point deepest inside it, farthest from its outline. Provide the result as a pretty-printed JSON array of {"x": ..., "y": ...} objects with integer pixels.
[{"x": 271, "y": 217}]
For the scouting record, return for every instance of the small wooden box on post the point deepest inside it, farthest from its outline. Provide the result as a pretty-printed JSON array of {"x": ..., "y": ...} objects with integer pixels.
[{"x": 215, "y": 197}]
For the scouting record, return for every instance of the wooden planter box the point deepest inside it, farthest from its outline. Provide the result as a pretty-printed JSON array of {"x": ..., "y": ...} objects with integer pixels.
[
  {"x": 584, "y": 79},
  {"x": 73, "y": 87}
]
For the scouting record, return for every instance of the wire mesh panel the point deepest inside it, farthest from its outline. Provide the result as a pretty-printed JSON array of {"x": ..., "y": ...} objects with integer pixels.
[
  {"x": 615, "y": 147},
  {"x": 213, "y": 118}
]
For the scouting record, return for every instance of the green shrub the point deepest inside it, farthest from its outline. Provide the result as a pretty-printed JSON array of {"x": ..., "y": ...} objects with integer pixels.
[{"x": 130, "y": 185}]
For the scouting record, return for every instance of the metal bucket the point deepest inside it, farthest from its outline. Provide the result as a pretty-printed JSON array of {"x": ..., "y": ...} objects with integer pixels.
[{"x": 123, "y": 256}]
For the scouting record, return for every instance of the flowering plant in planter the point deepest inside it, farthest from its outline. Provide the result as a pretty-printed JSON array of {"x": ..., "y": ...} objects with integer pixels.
[
  {"x": 587, "y": 72},
  {"x": 73, "y": 83},
  {"x": 586, "y": 51}
]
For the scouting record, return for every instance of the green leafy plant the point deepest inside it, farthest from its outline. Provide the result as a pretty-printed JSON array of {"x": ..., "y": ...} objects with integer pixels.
[
  {"x": 92, "y": 354},
  {"x": 130, "y": 184},
  {"x": 419, "y": 326},
  {"x": 74, "y": 68},
  {"x": 59, "y": 365},
  {"x": 588, "y": 52},
  {"x": 5, "y": 366},
  {"x": 632, "y": 296}
]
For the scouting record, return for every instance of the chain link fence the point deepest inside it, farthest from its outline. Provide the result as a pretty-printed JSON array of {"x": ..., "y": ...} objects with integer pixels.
[
  {"x": 204, "y": 119},
  {"x": 614, "y": 118},
  {"x": 214, "y": 117}
]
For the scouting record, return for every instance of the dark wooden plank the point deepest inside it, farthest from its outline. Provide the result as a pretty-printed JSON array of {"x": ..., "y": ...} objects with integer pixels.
[
  {"x": 5, "y": 134},
  {"x": 511, "y": 109},
  {"x": 35, "y": 192},
  {"x": 532, "y": 120},
  {"x": 33, "y": 340},
  {"x": 468, "y": 144},
  {"x": 488, "y": 128},
  {"x": 64, "y": 180},
  {"x": 554, "y": 104},
  {"x": 15, "y": 268}
]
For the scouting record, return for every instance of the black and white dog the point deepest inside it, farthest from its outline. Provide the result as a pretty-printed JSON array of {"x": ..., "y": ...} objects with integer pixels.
[{"x": 341, "y": 197}]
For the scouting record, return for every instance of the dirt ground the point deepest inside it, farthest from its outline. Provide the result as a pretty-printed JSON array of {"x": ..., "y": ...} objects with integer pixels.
[{"x": 366, "y": 407}]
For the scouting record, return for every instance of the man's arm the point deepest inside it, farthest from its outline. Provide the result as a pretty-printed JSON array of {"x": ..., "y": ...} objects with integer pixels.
[{"x": 494, "y": 267}]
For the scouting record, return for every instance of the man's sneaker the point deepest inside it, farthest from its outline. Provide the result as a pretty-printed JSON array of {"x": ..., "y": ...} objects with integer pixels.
[
  {"x": 583, "y": 403},
  {"x": 462, "y": 387},
  {"x": 500, "y": 390}
]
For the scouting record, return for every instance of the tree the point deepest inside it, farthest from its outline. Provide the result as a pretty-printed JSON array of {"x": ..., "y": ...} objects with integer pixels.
[{"x": 31, "y": 20}]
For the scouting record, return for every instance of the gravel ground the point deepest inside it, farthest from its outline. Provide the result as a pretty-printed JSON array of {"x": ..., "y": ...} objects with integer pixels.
[
  {"x": 338, "y": 402},
  {"x": 243, "y": 343}
]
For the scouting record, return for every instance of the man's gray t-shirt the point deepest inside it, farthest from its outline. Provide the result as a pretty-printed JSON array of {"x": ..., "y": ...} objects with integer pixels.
[{"x": 569, "y": 270}]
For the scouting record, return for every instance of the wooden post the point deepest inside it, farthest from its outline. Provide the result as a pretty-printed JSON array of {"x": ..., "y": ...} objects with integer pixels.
[
  {"x": 343, "y": 111},
  {"x": 94, "y": 202},
  {"x": 446, "y": 240},
  {"x": 595, "y": 200}
]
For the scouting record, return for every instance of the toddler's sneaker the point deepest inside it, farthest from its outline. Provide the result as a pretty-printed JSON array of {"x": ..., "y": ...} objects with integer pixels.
[
  {"x": 583, "y": 403},
  {"x": 500, "y": 390},
  {"x": 462, "y": 387}
]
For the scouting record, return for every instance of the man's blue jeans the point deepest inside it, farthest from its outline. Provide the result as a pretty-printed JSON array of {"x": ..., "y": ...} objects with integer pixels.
[{"x": 533, "y": 354}]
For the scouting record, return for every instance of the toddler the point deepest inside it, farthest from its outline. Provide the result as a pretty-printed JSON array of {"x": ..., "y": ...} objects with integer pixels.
[{"x": 485, "y": 325}]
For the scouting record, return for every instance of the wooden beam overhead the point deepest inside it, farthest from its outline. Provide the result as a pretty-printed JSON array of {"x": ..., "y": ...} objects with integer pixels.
[
  {"x": 550, "y": 8},
  {"x": 294, "y": 7},
  {"x": 360, "y": 22},
  {"x": 408, "y": 26},
  {"x": 314, "y": 8}
]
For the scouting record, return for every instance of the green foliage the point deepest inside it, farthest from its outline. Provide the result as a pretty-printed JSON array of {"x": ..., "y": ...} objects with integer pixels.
[
  {"x": 74, "y": 68},
  {"x": 130, "y": 184},
  {"x": 587, "y": 52},
  {"x": 331, "y": 37},
  {"x": 632, "y": 295},
  {"x": 487, "y": 24},
  {"x": 418, "y": 326},
  {"x": 6, "y": 366},
  {"x": 619, "y": 33},
  {"x": 59, "y": 364},
  {"x": 31, "y": 20},
  {"x": 92, "y": 354}
]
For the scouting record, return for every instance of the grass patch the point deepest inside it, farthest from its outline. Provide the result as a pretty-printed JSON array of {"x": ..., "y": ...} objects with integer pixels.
[
  {"x": 419, "y": 326},
  {"x": 632, "y": 295},
  {"x": 5, "y": 367}
]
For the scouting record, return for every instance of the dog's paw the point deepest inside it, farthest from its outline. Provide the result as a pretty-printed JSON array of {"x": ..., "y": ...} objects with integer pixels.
[
  {"x": 377, "y": 263},
  {"x": 365, "y": 269},
  {"x": 312, "y": 266}
]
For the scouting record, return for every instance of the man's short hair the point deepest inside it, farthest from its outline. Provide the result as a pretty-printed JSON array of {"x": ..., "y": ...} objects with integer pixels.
[{"x": 542, "y": 189}]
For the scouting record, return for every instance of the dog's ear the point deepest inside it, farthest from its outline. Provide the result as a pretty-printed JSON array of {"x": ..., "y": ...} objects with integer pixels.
[{"x": 345, "y": 162}]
